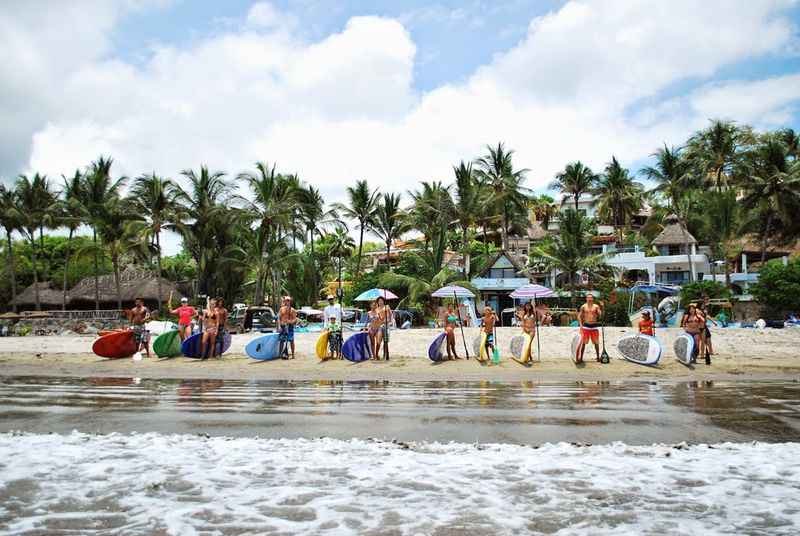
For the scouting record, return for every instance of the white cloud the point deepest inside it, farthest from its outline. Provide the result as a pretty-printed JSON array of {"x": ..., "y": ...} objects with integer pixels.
[{"x": 584, "y": 83}]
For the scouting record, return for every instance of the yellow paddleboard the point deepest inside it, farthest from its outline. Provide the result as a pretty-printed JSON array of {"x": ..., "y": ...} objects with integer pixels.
[
  {"x": 322, "y": 344},
  {"x": 483, "y": 355},
  {"x": 526, "y": 347}
]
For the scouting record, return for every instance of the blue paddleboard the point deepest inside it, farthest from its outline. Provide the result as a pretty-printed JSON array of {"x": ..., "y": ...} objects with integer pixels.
[
  {"x": 191, "y": 346},
  {"x": 264, "y": 348},
  {"x": 356, "y": 348},
  {"x": 435, "y": 349}
]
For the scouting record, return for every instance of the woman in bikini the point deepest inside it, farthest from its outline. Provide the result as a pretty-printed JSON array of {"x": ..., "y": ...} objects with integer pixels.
[
  {"x": 450, "y": 323},
  {"x": 693, "y": 322},
  {"x": 384, "y": 319},
  {"x": 210, "y": 320},
  {"x": 373, "y": 326}
]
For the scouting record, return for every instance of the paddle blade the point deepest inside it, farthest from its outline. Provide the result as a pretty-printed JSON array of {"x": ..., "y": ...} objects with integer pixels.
[{"x": 496, "y": 356}]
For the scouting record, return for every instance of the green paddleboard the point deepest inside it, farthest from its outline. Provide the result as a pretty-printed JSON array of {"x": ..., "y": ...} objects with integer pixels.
[{"x": 168, "y": 344}]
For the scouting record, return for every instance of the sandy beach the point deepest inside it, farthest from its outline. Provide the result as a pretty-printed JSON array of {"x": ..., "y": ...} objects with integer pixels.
[{"x": 741, "y": 354}]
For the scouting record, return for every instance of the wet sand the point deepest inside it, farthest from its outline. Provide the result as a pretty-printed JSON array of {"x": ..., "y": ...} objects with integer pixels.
[{"x": 741, "y": 354}]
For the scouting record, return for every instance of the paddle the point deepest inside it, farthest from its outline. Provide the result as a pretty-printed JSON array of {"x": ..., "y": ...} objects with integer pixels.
[
  {"x": 460, "y": 323},
  {"x": 495, "y": 349},
  {"x": 604, "y": 357},
  {"x": 385, "y": 323}
]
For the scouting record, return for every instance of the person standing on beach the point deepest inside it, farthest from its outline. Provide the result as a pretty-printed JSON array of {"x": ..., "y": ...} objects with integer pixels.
[
  {"x": 138, "y": 317},
  {"x": 382, "y": 335},
  {"x": 646, "y": 324},
  {"x": 489, "y": 320},
  {"x": 222, "y": 324},
  {"x": 332, "y": 321},
  {"x": 693, "y": 322},
  {"x": 185, "y": 315},
  {"x": 705, "y": 308},
  {"x": 210, "y": 320},
  {"x": 287, "y": 318},
  {"x": 373, "y": 325},
  {"x": 450, "y": 323},
  {"x": 589, "y": 321}
]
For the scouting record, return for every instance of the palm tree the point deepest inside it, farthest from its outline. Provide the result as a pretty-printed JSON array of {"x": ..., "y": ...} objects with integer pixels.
[
  {"x": 342, "y": 246},
  {"x": 774, "y": 187},
  {"x": 571, "y": 251},
  {"x": 715, "y": 153},
  {"x": 155, "y": 199},
  {"x": 792, "y": 141},
  {"x": 314, "y": 217},
  {"x": 202, "y": 205},
  {"x": 576, "y": 180},
  {"x": 116, "y": 234},
  {"x": 507, "y": 197},
  {"x": 29, "y": 209},
  {"x": 543, "y": 208},
  {"x": 361, "y": 207},
  {"x": 467, "y": 206},
  {"x": 273, "y": 207},
  {"x": 617, "y": 196},
  {"x": 432, "y": 212},
  {"x": 72, "y": 214},
  {"x": 674, "y": 182},
  {"x": 389, "y": 222},
  {"x": 419, "y": 287},
  {"x": 99, "y": 189},
  {"x": 10, "y": 221},
  {"x": 722, "y": 222}
]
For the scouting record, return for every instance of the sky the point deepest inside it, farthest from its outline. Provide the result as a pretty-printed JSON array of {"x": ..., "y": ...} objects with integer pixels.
[{"x": 392, "y": 92}]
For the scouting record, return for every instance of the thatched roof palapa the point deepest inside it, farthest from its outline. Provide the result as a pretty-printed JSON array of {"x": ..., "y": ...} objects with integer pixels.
[
  {"x": 134, "y": 283},
  {"x": 48, "y": 295},
  {"x": 674, "y": 233}
]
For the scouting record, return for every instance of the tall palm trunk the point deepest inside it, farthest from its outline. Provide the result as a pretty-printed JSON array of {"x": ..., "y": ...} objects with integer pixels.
[
  {"x": 115, "y": 260},
  {"x": 688, "y": 250},
  {"x": 388, "y": 252},
  {"x": 576, "y": 196},
  {"x": 360, "y": 245},
  {"x": 35, "y": 271},
  {"x": 314, "y": 283},
  {"x": 505, "y": 229},
  {"x": 96, "y": 270},
  {"x": 158, "y": 263},
  {"x": 13, "y": 270},
  {"x": 41, "y": 251},
  {"x": 767, "y": 229},
  {"x": 464, "y": 231},
  {"x": 66, "y": 269}
]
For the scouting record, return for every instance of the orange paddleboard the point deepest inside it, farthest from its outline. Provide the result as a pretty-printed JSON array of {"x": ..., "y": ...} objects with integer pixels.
[{"x": 115, "y": 345}]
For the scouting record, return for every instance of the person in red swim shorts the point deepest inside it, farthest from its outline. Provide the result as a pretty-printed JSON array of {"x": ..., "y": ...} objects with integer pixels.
[{"x": 589, "y": 321}]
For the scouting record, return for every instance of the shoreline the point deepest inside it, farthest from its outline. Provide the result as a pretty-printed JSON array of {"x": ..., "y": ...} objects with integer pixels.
[{"x": 772, "y": 355}]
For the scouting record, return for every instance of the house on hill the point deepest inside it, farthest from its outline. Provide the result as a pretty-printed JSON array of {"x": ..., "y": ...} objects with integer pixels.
[{"x": 502, "y": 275}]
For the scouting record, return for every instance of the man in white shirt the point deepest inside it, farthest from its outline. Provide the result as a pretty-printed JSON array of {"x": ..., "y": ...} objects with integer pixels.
[{"x": 332, "y": 310}]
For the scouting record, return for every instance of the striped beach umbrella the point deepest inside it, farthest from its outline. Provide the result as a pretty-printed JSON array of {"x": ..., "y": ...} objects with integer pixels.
[
  {"x": 453, "y": 291},
  {"x": 532, "y": 291},
  {"x": 375, "y": 293}
]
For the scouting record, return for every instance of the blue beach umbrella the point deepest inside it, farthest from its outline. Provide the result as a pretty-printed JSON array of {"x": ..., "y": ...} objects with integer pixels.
[{"x": 375, "y": 293}]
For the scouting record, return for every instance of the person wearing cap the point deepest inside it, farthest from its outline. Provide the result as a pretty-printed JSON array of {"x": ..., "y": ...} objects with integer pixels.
[
  {"x": 646, "y": 324},
  {"x": 287, "y": 318},
  {"x": 185, "y": 315}
]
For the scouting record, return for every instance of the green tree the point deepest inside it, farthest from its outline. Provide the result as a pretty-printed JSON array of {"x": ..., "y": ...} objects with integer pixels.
[
  {"x": 361, "y": 206},
  {"x": 32, "y": 203},
  {"x": 468, "y": 206},
  {"x": 507, "y": 195},
  {"x": 117, "y": 235},
  {"x": 315, "y": 218},
  {"x": 778, "y": 286},
  {"x": 99, "y": 190},
  {"x": 617, "y": 196},
  {"x": 10, "y": 219},
  {"x": 723, "y": 225},
  {"x": 273, "y": 207},
  {"x": 342, "y": 245},
  {"x": 419, "y": 287},
  {"x": 432, "y": 212},
  {"x": 155, "y": 199},
  {"x": 715, "y": 153},
  {"x": 576, "y": 179},
  {"x": 72, "y": 214},
  {"x": 389, "y": 222},
  {"x": 202, "y": 211}
]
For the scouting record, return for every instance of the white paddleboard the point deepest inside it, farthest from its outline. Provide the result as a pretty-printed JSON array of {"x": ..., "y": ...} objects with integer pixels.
[
  {"x": 684, "y": 348},
  {"x": 576, "y": 340},
  {"x": 639, "y": 348}
]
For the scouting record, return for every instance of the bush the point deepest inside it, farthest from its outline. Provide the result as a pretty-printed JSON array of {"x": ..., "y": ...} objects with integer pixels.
[
  {"x": 778, "y": 286},
  {"x": 693, "y": 292},
  {"x": 365, "y": 282},
  {"x": 616, "y": 314}
]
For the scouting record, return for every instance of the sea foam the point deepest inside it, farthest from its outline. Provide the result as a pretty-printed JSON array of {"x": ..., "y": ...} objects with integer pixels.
[{"x": 183, "y": 484}]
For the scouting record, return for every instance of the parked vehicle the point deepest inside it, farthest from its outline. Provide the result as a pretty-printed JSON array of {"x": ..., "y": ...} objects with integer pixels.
[{"x": 244, "y": 319}]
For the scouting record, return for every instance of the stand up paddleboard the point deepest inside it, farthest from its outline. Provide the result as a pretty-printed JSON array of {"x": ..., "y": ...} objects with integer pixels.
[
  {"x": 356, "y": 348},
  {"x": 684, "y": 348},
  {"x": 168, "y": 344},
  {"x": 264, "y": 348},
  {"x": 191, "y": 346},
  {"x": 321, "y": 349},
  {"x": 576, "y": 341},
  {"x": 641, "y": 349},
  {"x": 479, "y": 347},
  {"x": 435, "y": 352},
  {"x": 115, "y": 345},
  {"x": 521, "y": 349}
]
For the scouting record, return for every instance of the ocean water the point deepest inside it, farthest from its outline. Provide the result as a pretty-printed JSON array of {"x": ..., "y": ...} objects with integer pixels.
[
  {"x": 184, "y": 485},
  {"x": 123, "y": 456}
]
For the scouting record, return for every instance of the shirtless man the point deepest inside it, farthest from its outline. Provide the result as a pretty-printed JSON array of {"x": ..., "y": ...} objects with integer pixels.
[
  {"x": 589, "y": 321},
  {"x": 222, "y": 324},
  {"x": 138, "y": 317},
  {"x": 287, "y": 318}
]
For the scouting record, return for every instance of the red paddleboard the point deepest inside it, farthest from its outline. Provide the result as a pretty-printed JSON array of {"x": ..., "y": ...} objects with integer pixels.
[
  {"x": 104, "y": 332},
  {"x": 115, "y": 345}
]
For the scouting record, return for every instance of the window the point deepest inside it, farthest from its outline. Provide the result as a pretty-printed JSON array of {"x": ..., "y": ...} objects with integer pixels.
[
  {"x": 502, "y": 273},
  {"x": 674, "y": 278},
  {"x": 674, "y": 250}
]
